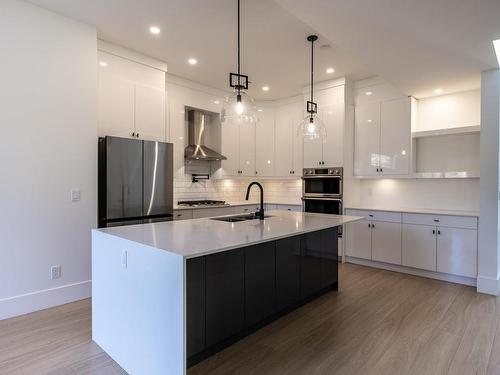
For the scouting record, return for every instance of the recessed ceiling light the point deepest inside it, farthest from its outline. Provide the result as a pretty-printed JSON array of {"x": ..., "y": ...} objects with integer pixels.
[
  {"x": 265, "y": 88},
  {"x": 103, "y": 63},
  {"x": 368, "y": 120},
  {"x": 438, "y": 91},
  {"x": 330, "y": 70},
  {"x": 496, "y": 44},
  {"x": 216, "y": 102},
  {"x": 154, "y": 30},
  {"x": 368, "y": 93},
  {"x": 192, "y": 61},
  {"x": 260, "y": 110}
]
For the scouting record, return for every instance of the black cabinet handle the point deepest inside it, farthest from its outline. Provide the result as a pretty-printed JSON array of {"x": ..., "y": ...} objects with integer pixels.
[
  {"x": 436, "y": 220},
  {"x": 433, "y": 231},
  {"x": 137, "y": 135},
  {"x": 377, "y": 169},
  {"x": 439, "y": 232},
  {"x": 133, "y": 134},
  {"x": 381, "y": 170}
]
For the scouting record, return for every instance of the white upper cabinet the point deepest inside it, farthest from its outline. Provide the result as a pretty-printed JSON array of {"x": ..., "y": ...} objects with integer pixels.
[
  {"x": 150, "y": 113},
  {"x": 247, "y": 149},
  {"x": 288, "y": 145},
  {"x": 331, "y": 110},
  {"x": 116, "y": 106},
  {"x": 382, "y": 138},
  {"x": 367, "y": 139},
  {"x": 131, "y": 99},
  {"x": 231, "y": 149},
  {"x": 395, "y": 137},
  {"x": 265, "y": 143}
]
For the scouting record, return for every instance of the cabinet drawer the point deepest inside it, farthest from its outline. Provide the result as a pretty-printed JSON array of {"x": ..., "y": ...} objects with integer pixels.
[
  {"x": 183, "y": 214},
  {"x": 441, "y": 220},
  {"x": 391, "y": 217},
  {"x": 211, "y": 212},
  {"x": 289, "y": 207}
]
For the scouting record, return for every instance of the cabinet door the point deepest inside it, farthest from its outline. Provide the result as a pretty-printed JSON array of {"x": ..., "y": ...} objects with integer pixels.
[
  {"x": 225, "y": 294},
  {"x": 150, "y": 113},
  {"x": 367, "y": 139},
  {"x": 395, "y": 137},
  {"x": 297, "y": 111},
  {"x": 247, "y": 149},
  {"x": 386, "y": 242},
  {"x": 116, "y": 106},
  {"x": 195, "y": 305},
  {"x": 260, "y": 282},
  {"x": 311, "y": 253},
  {"x": 419, "y": 246},
  {"x": 264, "y": 144},
  {"x": 333, "y": 118},
  {"x": 287, "y": 272},
  {"x": 313, "y": 153},
  {"x": 230, "y": 147},
  {"x": 457, "y": 251},
  {"x": 284, "y": 142},
  {"x": 359, "y": 240},
  {"x": 329, "y": 261}
]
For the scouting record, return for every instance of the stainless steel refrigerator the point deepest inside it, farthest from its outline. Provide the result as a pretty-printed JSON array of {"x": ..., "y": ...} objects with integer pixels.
[{"x": 135, "y": 181}]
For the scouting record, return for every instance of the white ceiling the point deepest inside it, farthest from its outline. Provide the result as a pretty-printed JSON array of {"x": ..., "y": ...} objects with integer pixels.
[
  {"x": 418, "y": 45},
  {"x": 274, "y": 47}
]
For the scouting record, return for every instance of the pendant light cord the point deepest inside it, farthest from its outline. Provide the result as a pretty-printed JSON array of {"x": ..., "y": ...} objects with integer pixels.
[
  {"x": 239, "y": 72},
  {"x": 312, "y": 70}
]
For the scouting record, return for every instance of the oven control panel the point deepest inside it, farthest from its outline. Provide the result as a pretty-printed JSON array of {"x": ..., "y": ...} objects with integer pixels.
[{"x": 336, "y": 171}]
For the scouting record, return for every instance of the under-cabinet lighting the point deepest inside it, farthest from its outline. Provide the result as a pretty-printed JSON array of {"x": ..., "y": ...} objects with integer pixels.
[
  {"x": 103, "y": 63},
  {"x": 368, "y": 93},
  {"x": 154, "y": 30},
  {"x": 330, "y": 70},
  {"x": 438, "y": 91}
]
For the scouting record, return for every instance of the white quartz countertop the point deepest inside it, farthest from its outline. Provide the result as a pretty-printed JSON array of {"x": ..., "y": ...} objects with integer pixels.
[
  {"x": 198, "y": 237},
  {"x": 236, "y": 204},
  {"x": 432, "y": 211}
]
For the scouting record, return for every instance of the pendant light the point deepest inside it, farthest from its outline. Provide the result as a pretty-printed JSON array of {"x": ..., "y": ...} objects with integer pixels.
[
  {"x": 311, "y": 127},
  {"x": 239, "y": 106}
]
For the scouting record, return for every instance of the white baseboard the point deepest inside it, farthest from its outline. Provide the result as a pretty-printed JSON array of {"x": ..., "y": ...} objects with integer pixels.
[
  {"x": 44, "y": 299},
  {"x": 488, "y": 285},
  {"x": 414, "y": 271}
]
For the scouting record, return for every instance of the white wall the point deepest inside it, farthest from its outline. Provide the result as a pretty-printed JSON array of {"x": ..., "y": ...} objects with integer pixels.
[
  {"x": 489, "y": 251},
  {"x": 450, "y": 111},
  {"x": 459, "y": 194},
  {"x": 49, "y": 131}
]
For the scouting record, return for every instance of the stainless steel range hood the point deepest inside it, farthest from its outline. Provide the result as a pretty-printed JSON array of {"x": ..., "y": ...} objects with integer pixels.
[{"x": 196, "y": 150}]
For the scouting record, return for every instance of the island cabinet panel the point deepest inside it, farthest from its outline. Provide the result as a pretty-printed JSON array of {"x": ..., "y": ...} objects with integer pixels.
[
  {"x": 287, "y": 272},
  {"x": 260, "y": 282},
  {"x": 310, "y": 256},
  {"x": 195, "y": 301},
  {"x": 329, "y": 260},
  {"x": 225, "y": 293}
]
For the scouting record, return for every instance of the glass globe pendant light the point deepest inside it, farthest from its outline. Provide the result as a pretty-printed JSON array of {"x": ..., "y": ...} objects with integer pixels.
[
  {"x": 311, "y": 127},
  {"x": 239, "y": 106}
]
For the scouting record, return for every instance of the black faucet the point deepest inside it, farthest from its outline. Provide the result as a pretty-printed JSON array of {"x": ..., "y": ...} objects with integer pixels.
[{"x": 260, "y": 214}]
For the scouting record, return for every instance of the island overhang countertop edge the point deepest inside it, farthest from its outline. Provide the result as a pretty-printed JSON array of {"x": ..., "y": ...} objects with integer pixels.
[{"x": 200, "y": 237}]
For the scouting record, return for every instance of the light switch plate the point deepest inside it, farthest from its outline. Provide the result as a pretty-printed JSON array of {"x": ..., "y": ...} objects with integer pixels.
[{"x": 75, "y": 195}]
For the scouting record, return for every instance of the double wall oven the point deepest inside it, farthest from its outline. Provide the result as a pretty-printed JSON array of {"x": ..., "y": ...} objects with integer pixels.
[{"x": 322, "y": 190}]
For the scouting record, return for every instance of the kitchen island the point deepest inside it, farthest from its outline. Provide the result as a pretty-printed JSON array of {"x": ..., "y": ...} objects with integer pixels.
[{"x": 167, "y": 295}]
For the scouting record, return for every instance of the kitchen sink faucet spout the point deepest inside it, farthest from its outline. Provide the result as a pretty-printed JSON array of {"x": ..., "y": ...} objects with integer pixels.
[{"x": 260, "y": 214}]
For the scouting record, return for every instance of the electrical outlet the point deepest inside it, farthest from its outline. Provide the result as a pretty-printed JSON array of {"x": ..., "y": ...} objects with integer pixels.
[
  {"x": 55, "y": 272},
  {"x": 75, "y": 195}
]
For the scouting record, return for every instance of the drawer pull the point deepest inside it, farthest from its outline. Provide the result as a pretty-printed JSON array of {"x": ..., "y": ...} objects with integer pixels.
[{"x": 436, "y": 220}]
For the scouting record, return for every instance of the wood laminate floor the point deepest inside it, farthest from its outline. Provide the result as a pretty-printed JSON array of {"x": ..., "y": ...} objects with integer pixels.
[{"x": 380, "y": 322}]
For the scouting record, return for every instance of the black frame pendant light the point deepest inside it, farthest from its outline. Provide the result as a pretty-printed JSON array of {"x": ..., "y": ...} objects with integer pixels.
[
  {"x": 239, "y": 106},
  {"x": 311, "y": 127}
]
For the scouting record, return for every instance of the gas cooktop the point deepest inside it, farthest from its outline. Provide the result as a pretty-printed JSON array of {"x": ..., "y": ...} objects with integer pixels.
[{"x": 202, "y": 203}]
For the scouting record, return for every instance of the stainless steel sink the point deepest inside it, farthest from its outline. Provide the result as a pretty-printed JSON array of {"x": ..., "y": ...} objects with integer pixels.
[{"x": 238, "y": 218}]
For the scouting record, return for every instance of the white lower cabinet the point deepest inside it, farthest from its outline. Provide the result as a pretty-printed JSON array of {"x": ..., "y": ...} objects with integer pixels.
[
  {"x": 439, "y": 243},
  {"x": 456, "y": 251},
  {"x": 419, "y": 246},
  {"x": 359, "y": 239},
  {"x": 386, "y": 242}
]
